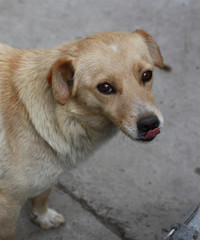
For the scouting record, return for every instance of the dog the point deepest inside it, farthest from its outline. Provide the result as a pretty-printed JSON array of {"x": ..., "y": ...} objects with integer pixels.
[{"x": 58, "y": 105}]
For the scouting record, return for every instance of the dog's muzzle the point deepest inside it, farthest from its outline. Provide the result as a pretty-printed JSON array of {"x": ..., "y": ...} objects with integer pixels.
[{"x": 148, "y": 127}]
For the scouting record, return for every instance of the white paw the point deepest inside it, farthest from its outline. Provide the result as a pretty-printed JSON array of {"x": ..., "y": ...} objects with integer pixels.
[{"x": 50, "y": 219}]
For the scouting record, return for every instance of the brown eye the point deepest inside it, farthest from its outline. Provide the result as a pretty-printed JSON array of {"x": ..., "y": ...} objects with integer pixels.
[
  {"x": 147, "y": 76},
  {"x": 105, "y": 88}
]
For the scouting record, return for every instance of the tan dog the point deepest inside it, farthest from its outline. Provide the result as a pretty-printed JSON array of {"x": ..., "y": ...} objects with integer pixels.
[{"x": 58, "y": 105}]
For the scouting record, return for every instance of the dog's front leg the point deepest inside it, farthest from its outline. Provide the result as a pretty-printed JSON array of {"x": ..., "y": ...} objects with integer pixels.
[
  {"x": 9, "y": 211},
  {"x": 42, "y": 215}
]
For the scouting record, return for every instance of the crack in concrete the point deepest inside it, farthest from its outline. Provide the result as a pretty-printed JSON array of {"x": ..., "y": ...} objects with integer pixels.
[{"x": 108, "y": 222}]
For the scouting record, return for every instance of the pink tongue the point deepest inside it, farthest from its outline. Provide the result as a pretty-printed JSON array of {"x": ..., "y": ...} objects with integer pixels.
[{"x": 152, "y": 133}]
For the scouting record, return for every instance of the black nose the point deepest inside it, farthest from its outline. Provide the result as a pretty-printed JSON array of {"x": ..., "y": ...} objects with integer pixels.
[{"x": 147, "y": 123}]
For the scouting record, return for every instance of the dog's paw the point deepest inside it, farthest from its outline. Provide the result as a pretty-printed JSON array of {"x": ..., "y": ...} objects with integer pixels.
[{"x": 50, "y": 219}]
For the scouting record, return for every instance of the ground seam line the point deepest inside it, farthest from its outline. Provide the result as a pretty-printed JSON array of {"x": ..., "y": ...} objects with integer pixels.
[{"x": 113, "y": 227}]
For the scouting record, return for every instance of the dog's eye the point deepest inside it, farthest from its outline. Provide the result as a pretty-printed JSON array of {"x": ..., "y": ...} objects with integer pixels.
[
  {"x": 105, "y": 88},
  {"x": 147, "y": 76}
]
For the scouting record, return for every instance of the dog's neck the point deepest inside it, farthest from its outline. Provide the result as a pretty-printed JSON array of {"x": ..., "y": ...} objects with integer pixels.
[
  {"x": 66, "y": 130},
  {"x": 82, "y": 128},
  {"x": 75, "y": 130},
  {"x": 83, "y": 135}
]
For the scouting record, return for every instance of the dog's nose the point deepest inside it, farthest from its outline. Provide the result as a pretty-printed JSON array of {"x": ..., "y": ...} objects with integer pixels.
[{"x": 147, "y": 123}]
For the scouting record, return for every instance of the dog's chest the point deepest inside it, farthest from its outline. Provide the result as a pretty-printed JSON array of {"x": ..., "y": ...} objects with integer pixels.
[
  {"x": 46, "y": 169},
  {"x": 37, "y": 174},
  {"x": 43, "y": 168}
]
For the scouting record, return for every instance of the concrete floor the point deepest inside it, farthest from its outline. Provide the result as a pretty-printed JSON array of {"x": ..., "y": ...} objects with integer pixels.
[{"x": 126, "y": 190}]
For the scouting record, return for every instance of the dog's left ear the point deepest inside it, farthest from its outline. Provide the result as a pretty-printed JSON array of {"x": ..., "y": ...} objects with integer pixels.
[
  {"x": 60, "y": 77},
  {"x": 153, "y": 47}
]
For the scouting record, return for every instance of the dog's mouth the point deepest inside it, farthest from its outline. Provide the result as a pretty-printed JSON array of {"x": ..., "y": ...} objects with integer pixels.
[
  {"x": 141, "y": 137},
  {"x": 150, "y": 135}
]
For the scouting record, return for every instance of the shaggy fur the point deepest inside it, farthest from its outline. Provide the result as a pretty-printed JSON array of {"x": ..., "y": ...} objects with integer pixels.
[{"x": 52, "y": 114}]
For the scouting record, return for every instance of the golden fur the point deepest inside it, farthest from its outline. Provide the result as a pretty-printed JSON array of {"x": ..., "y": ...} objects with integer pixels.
[{"x": 52, "y": 115}]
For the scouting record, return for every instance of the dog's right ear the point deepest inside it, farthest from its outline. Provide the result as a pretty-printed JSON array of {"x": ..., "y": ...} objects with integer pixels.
[{"x": 60, "y": 77}]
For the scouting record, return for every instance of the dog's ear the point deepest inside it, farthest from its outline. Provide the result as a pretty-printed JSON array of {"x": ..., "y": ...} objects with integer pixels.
[
  {"x": 60, "y": 77},
  {"x": 153, "y": 47}
]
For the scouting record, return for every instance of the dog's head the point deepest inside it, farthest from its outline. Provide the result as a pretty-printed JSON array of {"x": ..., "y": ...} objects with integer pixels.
[{"x": 111, "y": 75}]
